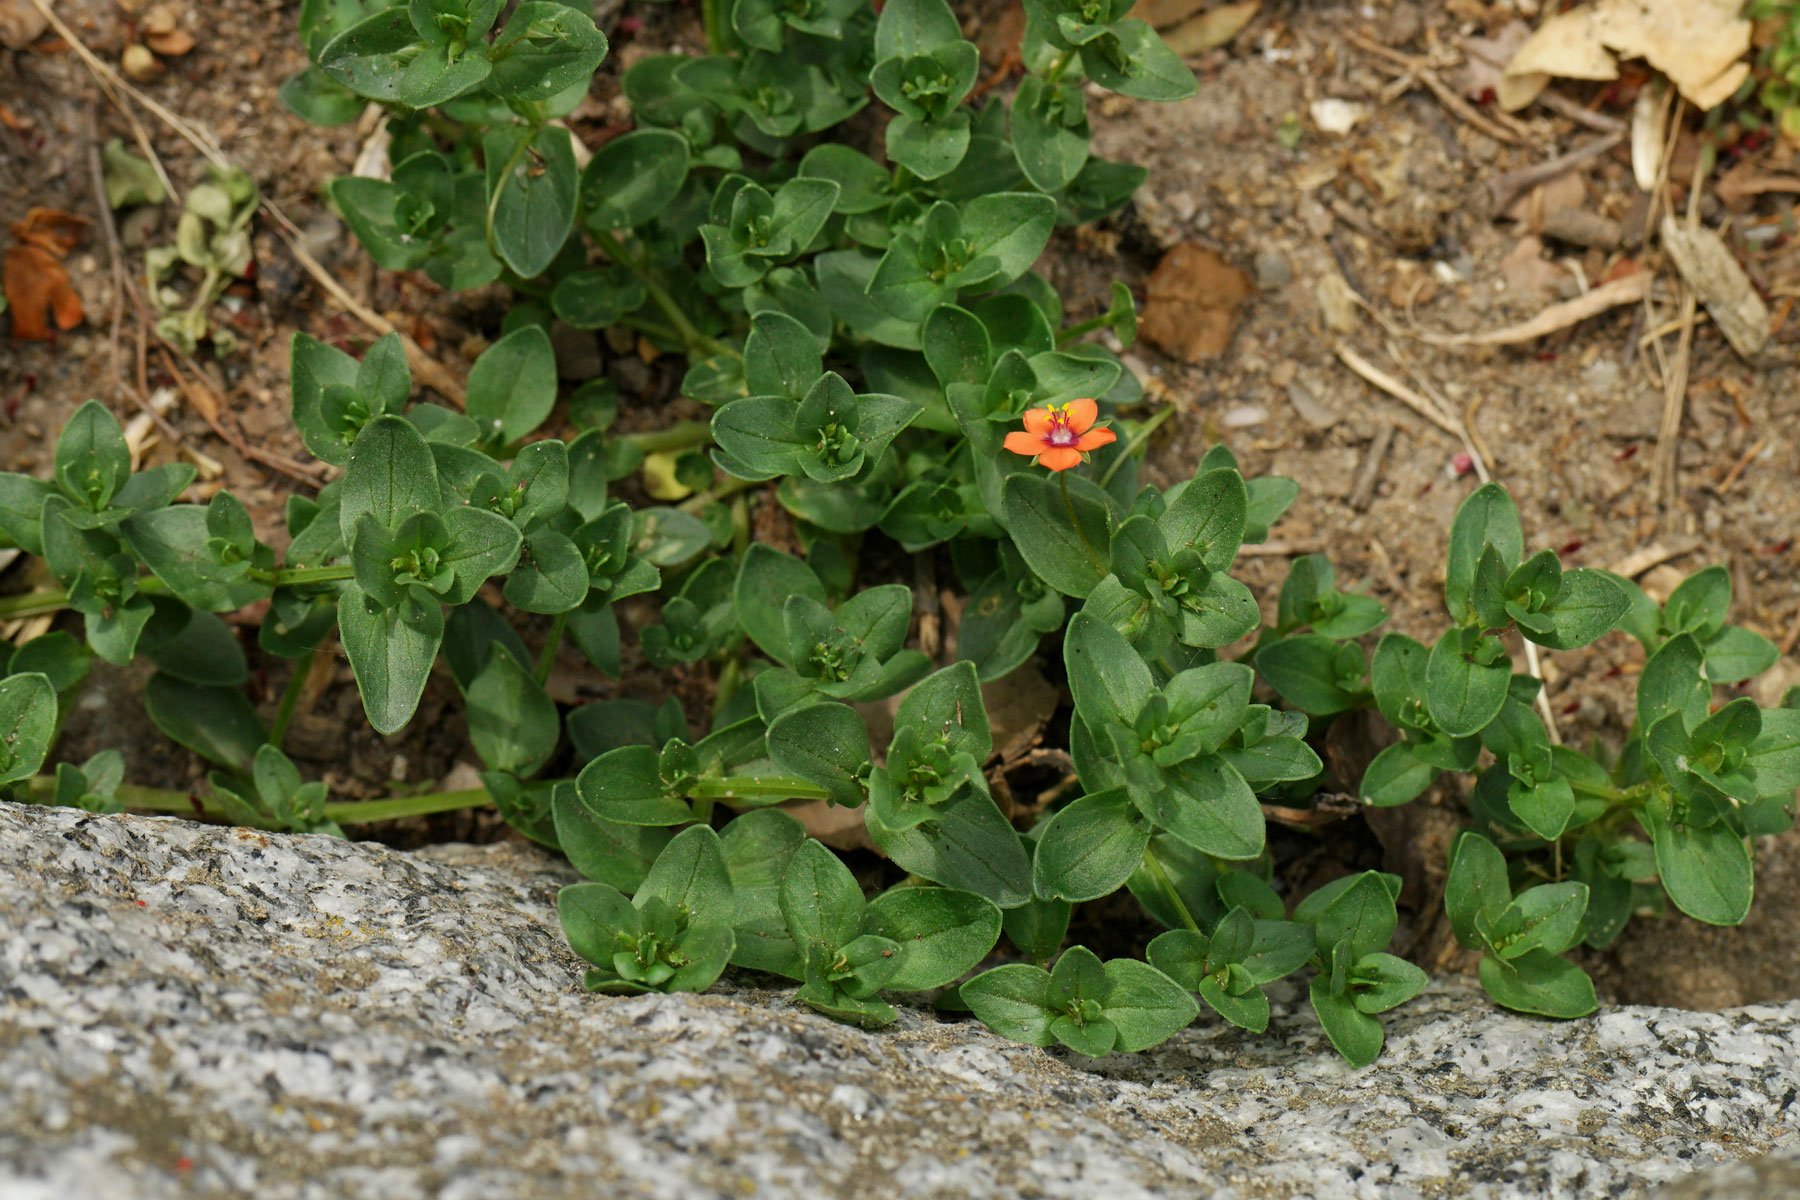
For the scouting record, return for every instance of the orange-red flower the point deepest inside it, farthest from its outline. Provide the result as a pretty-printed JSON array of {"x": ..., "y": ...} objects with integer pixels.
[{"x": 1060, "y": 435}]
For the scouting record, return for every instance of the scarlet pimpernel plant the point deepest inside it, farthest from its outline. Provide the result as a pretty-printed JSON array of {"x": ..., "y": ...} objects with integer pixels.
[{"x": 870, "y": 357}]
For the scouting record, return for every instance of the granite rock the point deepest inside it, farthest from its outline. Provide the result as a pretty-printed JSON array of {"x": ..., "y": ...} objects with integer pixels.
[{"x": 196, "y": 1011}]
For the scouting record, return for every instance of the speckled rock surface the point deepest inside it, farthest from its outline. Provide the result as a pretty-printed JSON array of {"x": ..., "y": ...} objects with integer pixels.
[{"x": 197, "y": 1012}]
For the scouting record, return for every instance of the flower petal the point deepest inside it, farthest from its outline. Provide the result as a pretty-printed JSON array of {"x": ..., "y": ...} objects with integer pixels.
[
  {"x": 1037, "y": 422},
  {"x": 1082, "y": 414},
  {"x": 1093, "y": 439},
  {"x": 1020, "y": 442},
  {"x": 1060, "y": 458}
]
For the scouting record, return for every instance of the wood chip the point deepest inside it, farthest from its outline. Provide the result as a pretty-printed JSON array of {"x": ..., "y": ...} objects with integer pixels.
[
  {"x": 1707, "y": 266},
  {"x": 1653, "y": 555},
  {"x": 1363, "y": 494},
  {"x": 1629, "y": 289}
]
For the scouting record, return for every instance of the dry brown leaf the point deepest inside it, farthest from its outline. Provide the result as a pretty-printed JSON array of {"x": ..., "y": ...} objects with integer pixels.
[
  {"x": 50, "y": 229},
  {"x": 20, "y": 24},
  {"x": 1211, "y": 29},
  {"x": 1164, "y": 13},
  {"x": 1191, "y": 309},
  {"x": 37, "y": 291},
  {"x": 1706, "y": 264},
  {"x": 1699, "y": 44},
  {"x": 36, "y": 285},
  {"x": 838, "y": 827}
]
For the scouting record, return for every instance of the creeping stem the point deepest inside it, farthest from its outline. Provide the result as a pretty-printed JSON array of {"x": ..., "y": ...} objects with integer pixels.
[
  {"x": 692, "y": 339},
  {"x": 42, "y": 789},
  {"x": 1167, "y": 886}
]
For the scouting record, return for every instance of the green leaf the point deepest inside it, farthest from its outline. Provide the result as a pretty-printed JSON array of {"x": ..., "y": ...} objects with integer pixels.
[
  {"x": 1060, "y": 529},
  {"x": 173, "y": 542},
  {"x": 1146, "y": 1006},
  {"x": 217, "y": 723},
  {"x": 1462, "y": 693},
  {"x": 1381, "y": 981},
  {"x": 967, "y": 844},
  {"x": 391, "y": 652},
  {"x": 1108, "y": 680},
  {"x": 482, "y": 544},
  {"x": 941, "y": 932},
  {"x": 1355, "y": 1034},
  {"x": 1550, "y": 916},
  {"x": 947, "y": 704},
  {"x": 1672, "y": 682},
  {"x": 1735, "y": 654},
  {"x": 27, "y": 725},
  {"x": 1050, "y": 132},
  {"x": 609, "y": 852},
  {"x": 1707, "y": 872},
  {"x": 201, "y": 649},
  {"x": 690, "y": 876},
  {"x": 367, "y": 59},
  {"x": 781, "y": 357},
  {"x": 820, "y": 900},
  {"x": 1090, "y": 848},
  {"x": 632, "y": 178},
  {"x": 1014, "y": 1001},
  {"x": 1131, "y": 60},
  {"x": 625, "y": 785},
  {"x": 314, "y": 97},
  {"x": 546, "y": 48},
  {"x": 758, "y": 847},
  {"x": 1476, "y": 891},
  {"x": 1487, "y": 517},
  {"x": 21, "y": 510},
  {"x": 827, "y": 744},
  {"x": 512, "y": 386},
  {"x": 1588, "y": 605},
  {"x": 1012, "y": 228},
  {"x": 92, "y": 460},
  {"x": 1539, "y": 983},
  {"x": 390, "y": 476},
  {"x": 1209, "y": 516},
  {"x": 1362, "y": 916},
  {"x": 593, "y": 916},
  {"x": 532, "y": 185},
  {"x": 1307, "y": 671},
  {"x": 912, "y": 27},
  {"x": 512, "y": 720},
  {"x": 1395, "y": 776},
  {"x": 766, "y": 578}
]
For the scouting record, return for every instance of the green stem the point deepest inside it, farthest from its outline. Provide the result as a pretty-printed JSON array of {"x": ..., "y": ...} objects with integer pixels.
[
  {"x": 756, "y": 787},
  {"x": 396, "y": 808},
  {"x": 730, "y": 676},
  {"x": 718, "y": 40},
  {"x": 1169, "y": 891},
  {"x": 1139, "y": 436},
  {"x": 1094, "y": 556},
  {"x": 42, "y": 789},
  {"x": 547, "y": 656},
  {"x": 730, "y": 487},
  {"x": 505, "y": 174},
  {"x": 1054, "y": 73},
  {"x": 1086, "y": 327},
  {"x": 692, "y": 339},
  {"x": 305, "y": 576},
  {"x": 676, "y": 437},
  {"x": 33, "y": 604},
  {"x": 290, "y": 696}
]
